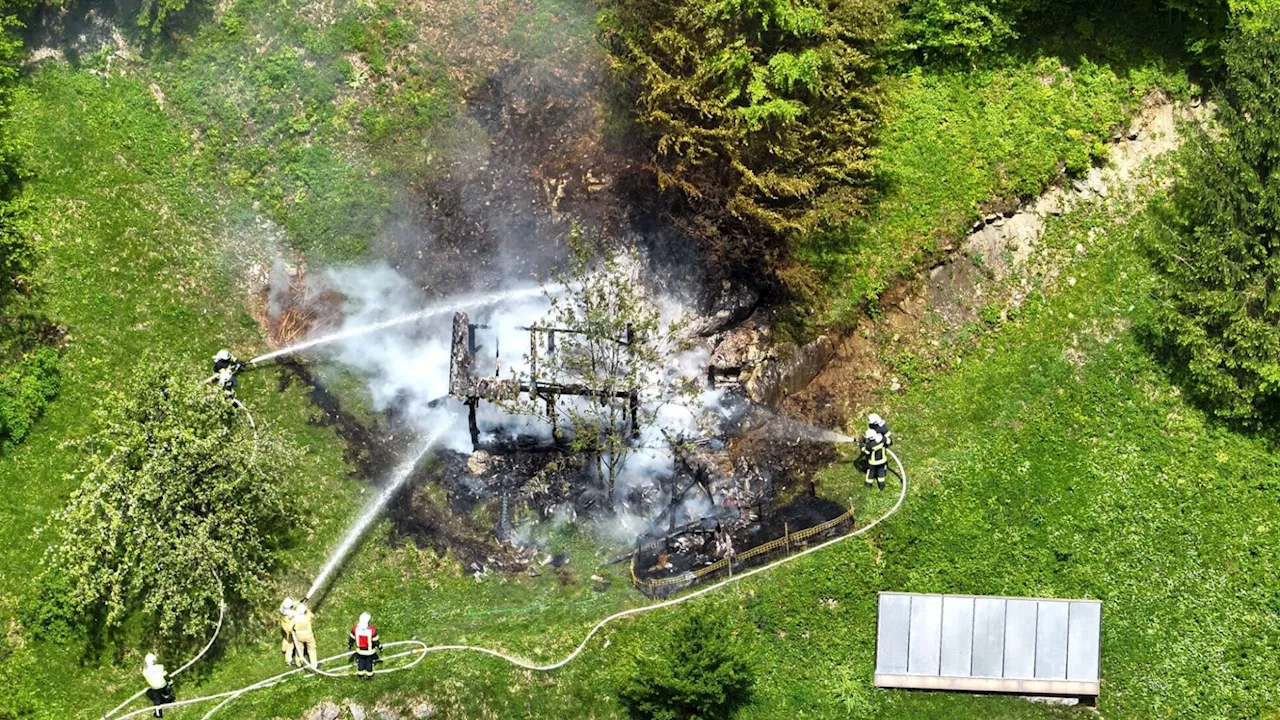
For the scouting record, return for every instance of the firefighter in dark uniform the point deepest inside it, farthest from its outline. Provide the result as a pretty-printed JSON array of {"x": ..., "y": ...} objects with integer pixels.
[
  {"x": 225, "y": 367},
  {"x": 364, "y": 641},
  {"x": 873, "y": 446}
]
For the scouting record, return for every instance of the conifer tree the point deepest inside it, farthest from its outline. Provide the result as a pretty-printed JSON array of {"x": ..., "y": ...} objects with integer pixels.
[{"x": 1217, "y": 245}]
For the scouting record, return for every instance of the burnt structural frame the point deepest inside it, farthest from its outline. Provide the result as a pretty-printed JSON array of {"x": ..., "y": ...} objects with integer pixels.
[{"x": 471, "y": 390}]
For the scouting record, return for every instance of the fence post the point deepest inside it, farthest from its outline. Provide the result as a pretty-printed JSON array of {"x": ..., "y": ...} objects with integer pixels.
[{"x": 786, "y": 533}]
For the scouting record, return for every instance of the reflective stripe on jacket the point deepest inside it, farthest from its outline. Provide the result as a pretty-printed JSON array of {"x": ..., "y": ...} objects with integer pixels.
[
  {"x": 876, "y": 453},
  {"x": 365, "y": 640}
]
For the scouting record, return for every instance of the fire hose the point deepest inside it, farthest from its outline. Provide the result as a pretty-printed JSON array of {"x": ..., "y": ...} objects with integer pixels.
[
  {"x": 422, "y": 649},
  {"x": 222, "y": 614}
]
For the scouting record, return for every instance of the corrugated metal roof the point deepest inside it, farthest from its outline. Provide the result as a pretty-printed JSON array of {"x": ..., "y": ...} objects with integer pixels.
[{"x": 1035, "y": 646}]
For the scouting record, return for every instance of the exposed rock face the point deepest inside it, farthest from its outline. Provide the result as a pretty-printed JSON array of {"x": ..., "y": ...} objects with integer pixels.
[
  {"x": 424, "y": 710},
  {"x": 794, "y": 367},
  {"x": 731, "y": 306},
  {"x": 357, "y": 712},
  {"x": 324, "y": 711}
]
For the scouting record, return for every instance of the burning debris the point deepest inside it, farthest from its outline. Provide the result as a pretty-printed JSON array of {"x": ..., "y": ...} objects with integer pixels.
[{"x": 471, "y": 390}]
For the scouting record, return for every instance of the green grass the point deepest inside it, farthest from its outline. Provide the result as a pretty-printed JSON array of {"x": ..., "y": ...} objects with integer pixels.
[
  {"x": 1036, "y": 471},
  {"x": 956, "y": 141},
  {"x": 320, "y": 123},
  {"x": 130, "y": 246},
  {"x": 1043, "y": 472}
]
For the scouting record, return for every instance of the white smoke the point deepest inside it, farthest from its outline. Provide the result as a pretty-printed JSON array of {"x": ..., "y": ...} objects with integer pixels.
[{"x": 406, "y": 368}]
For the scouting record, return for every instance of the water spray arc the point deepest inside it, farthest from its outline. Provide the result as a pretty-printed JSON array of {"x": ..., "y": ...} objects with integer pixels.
[
  {"x": 370, "y": 513},
  {"x": 440, "y": 308}
]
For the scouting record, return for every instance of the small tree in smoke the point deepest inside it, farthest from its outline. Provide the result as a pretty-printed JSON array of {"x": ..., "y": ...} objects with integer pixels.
[{"x": 612, "y": 343}]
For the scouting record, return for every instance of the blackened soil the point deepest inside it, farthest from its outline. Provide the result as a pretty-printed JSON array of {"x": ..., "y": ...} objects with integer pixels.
[
  {"x": 537, "y": 161},
  {"x": 371, "y": 447},
  {"x": 416, "y": 516}
]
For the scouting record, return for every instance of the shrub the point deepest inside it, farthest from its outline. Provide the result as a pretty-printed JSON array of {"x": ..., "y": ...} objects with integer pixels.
[
  {"x": 1217, "y": 246},
  {"x": 957, "y": 29},
  {"x": 760, "y": 112},
  {"x": 699, "y": 673},
  {"x": 174, "y": 487},
  {"x": 25, "y": 389}
]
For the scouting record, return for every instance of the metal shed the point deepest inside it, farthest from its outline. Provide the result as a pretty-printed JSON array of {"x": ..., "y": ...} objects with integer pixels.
[{"x": 1029, "y": 646}]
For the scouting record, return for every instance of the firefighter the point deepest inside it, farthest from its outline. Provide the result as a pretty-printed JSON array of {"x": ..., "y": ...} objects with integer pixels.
[
  {"x": 873, "y": 446},
  {"x": 159, "y": 686},
  {"x": 225, "y": 367},
  {"x": 287, "y": 645},
  {"x": 303, "y": 637},
  {"x": 364, "y": 641},
  {"x": 877, "y": 423}
]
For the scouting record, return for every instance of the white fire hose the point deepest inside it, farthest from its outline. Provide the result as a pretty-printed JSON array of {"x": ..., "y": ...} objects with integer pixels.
[{"x": 421, "y": 649}]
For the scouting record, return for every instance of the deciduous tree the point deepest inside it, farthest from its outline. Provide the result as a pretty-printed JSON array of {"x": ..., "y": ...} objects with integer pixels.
[{"x": 174, "y": 488}]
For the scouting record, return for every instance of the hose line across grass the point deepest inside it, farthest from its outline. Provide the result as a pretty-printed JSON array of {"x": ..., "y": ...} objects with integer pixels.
[
  {"x": 421, "y": 649},
  {"x": 222, "y": 614}
]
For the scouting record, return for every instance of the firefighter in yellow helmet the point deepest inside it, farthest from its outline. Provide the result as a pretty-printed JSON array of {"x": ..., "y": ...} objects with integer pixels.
[
  {"x": 159, "y": 686},
  {"x": 287, "y": 645},
  {"x": 303, "y": 636},
  {"x": 873, "y": 446},
  {"x": 364, "y": 641}
]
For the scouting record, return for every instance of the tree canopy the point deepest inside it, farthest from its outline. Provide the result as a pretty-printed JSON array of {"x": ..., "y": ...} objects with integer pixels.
[
  {"x": 761, "y": 112},
  {"x": 700, "y": 672},
  {"x": 1217, "y": 246},
  {"x": 173, "y": 489}
]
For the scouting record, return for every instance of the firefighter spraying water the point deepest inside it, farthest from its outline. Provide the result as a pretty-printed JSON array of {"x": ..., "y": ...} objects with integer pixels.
[
  {"x": 225, "y": 368},
  {"x": 304, "y": 637}
]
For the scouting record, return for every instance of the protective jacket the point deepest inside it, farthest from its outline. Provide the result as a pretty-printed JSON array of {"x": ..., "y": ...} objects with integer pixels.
[
  {"x": 286, "y": 631},
  {"x": 364, "y": 640},
  {"x": 156, "y": 677},
  {"x": 302, "y": 626},
  {"x": 874, "y": 449}
]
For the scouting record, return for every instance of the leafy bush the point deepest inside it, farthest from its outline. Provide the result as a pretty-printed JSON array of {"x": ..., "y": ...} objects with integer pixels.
[
  {"x": 761, "y": 113},
  {"x": 153, "y": 14},
  {"x": 17, "y": 256},
  {"x": 699, "y": 673},
  {"x": 958, "y": 29},
  {"x": 25, "y": 389},
  {"x": 1217, "y": 247},
  {"x": 174, "y": 487},
  {"x": 974, "y": 30}
]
